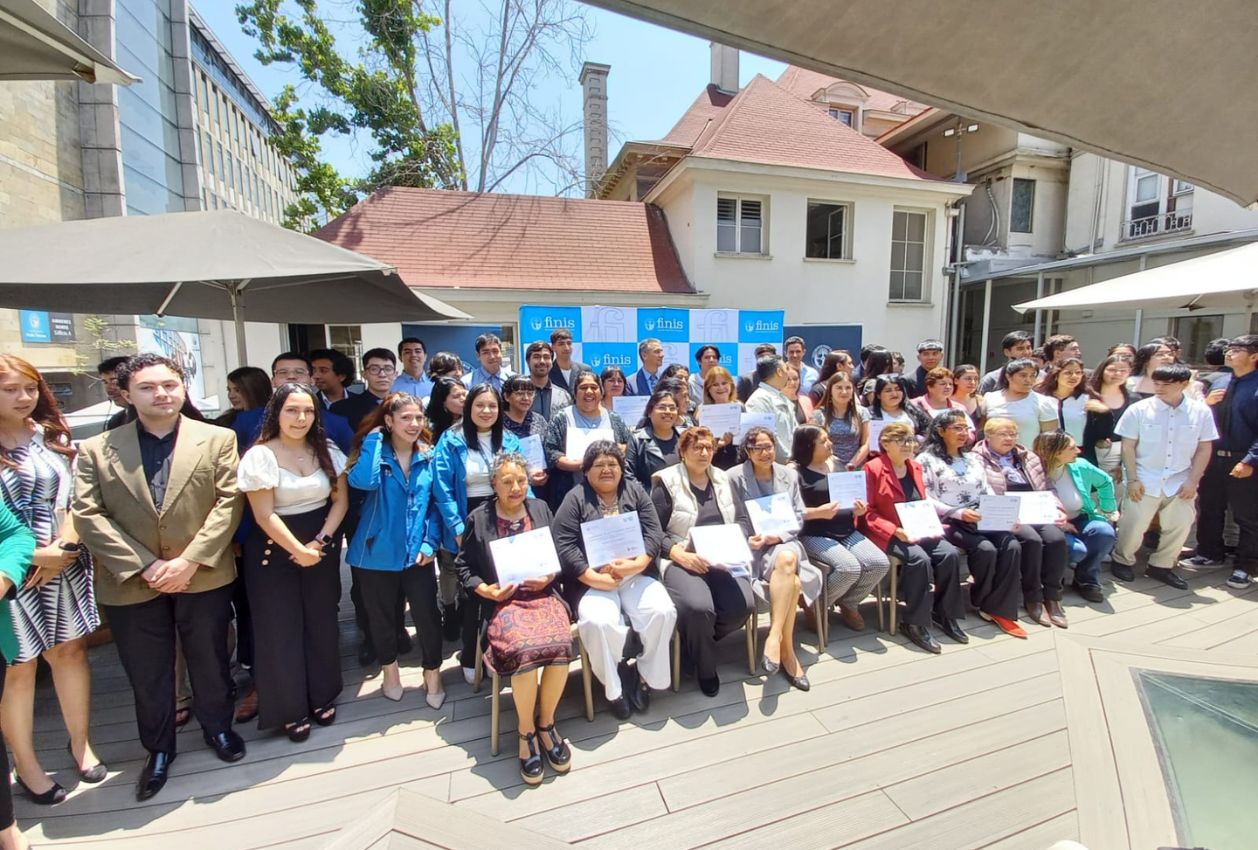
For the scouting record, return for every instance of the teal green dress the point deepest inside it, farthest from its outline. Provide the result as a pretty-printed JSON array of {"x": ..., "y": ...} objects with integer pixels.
[{"x": 17, "y": 545}]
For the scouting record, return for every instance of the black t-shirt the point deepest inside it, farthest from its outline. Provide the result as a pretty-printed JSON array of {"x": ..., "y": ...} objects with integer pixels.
[
  {"x": 910, "y": 489},
  {"x": 815, "y": 488}
]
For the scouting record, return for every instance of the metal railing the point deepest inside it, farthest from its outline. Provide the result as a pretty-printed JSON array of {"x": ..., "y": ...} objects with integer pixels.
[{"x": 1154, "y": 225}]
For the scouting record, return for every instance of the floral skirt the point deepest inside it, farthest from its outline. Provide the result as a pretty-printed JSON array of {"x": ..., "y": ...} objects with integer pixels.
[{"x": 528, "y": 631}]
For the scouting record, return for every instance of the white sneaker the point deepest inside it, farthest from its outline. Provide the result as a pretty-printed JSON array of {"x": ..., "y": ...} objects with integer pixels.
[
  {"x": 1239, "y": 579},
  {"x": 469, "y": 675}
]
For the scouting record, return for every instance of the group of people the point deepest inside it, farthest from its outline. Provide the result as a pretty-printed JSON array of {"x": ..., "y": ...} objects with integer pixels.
[{"x": 201, "y": 542}]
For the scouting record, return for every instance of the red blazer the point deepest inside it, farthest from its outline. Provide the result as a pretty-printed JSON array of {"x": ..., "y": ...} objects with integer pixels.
[{"x": 880, "y": 520}]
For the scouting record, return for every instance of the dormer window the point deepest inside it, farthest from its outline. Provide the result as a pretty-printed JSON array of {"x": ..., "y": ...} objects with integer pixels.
[{"x": 847, "y": 116}]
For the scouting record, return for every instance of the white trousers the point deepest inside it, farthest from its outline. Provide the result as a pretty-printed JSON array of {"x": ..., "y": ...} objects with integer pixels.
[
  {"x": 601, "y": 616},
  {"x": 1176, "y": 516}
]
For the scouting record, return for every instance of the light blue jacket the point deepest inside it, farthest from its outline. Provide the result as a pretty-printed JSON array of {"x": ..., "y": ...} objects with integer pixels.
[
  {"x": 450, "y": 484},
  {"x": 399, "y": 521},
  {"x": 1089, "y": 478}
]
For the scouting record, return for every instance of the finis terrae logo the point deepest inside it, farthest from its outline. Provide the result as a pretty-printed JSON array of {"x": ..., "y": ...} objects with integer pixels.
[
  {"x": 761, "y": 326},
  {"x": 536, "y": 324}
]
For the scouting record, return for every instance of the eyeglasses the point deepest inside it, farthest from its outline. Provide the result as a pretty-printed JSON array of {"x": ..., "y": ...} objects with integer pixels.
[
  {"x": 903, "y": 441},
  {"x": 761, "y": 447},
  {"x": 292, "y": 373},
  {"x": 666, "y": 408},
  {"x": 1009, "y": 434},
  {"x": 705, "y": 448},
  {"x": 380, "y": 371}
]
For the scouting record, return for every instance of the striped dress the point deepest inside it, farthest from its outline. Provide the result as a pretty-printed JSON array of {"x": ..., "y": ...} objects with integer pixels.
[{"x": 37, "y": 491}]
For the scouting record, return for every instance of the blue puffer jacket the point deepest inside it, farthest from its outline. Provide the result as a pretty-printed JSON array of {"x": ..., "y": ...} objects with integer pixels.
[
  {"x": 399, "y": 519},
  {"x": 450, "y": 484}
]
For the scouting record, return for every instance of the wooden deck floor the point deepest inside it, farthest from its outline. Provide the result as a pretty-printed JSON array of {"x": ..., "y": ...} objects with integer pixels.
[{"x": 891, "y": 748}]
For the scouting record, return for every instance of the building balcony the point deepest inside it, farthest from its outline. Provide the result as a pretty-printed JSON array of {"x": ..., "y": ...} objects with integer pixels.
[{"x": 1156, "y": 225}]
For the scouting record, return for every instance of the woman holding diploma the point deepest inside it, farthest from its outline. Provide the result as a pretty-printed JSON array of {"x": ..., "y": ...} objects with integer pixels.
[
  {"x": 612, "y": 380},
  {"x": 1011, "y": 468},
  {"x": 954, "y": 476},
  {"x": 853, "y": 564},
  {"x": 845, "y": 420},
  {"x": 530, "y": 626},
  {"x": 573, "y": 428},
  {"x": 891, "y": 404},
  {"x": 624, "y": 588},
  {"x": 719, "y": 388},
  {"x": 654, "y": 445},
  {"x": 780, "y": 562},
  {"x": 396, "y": 540},
  {"x": 711, "y": 600},
  {"x": 462, "y": 482},
  {"x": 892, "y": 478},
  {"x": 520, "y": 419}
]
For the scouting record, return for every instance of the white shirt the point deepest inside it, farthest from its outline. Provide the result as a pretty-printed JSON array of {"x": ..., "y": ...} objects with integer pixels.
[
  {"x": 1074, "y": 414},
  {"x": 479, "y": 467},
  {"x": 1028, "y": 413},
  {"x": 294, "y": 494},
  {"x": 1166, "y": 440},
  {"x": 807, "y": 377}
]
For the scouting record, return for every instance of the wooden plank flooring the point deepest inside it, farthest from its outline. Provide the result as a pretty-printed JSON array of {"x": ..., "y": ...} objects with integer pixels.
[{"x": 891, "y": 748}]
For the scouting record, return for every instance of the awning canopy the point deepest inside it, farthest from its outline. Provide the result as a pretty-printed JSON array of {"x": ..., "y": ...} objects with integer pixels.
[
  {"x": 1105, "y": 77},
  {"x": 34, "y": 45},
  {"x": 1223, "y": 280}
]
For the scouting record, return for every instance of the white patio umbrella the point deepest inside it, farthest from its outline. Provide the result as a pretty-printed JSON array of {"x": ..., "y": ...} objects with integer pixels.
[
  {"x": 1223, "y": 280},
  {"x": 1159, "y": 83},
  {"x": 34, "y": 45}
]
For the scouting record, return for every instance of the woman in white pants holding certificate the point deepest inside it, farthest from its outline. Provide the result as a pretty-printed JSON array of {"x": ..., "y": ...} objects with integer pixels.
[
  {"x": 529, "y": 629},
  {"x": 611, "y": 578}
]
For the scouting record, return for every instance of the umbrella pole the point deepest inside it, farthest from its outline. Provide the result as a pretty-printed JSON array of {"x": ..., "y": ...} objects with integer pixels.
[{"x": 238, "y": 318}]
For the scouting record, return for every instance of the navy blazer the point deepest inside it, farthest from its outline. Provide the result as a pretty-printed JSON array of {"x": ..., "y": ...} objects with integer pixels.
[
  {"x": 637, "y": 384},
  {"x": 248, "y": 424}
]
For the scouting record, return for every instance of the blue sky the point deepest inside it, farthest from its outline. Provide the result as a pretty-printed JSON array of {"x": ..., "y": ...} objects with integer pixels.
[{"x": 656, "y": 73}]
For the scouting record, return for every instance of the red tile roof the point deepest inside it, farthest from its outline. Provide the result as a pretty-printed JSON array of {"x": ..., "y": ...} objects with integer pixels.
[
  {"x": 804, "y": 83},
  {"x": 440, "y": 238},
  {"x": 708, "y": 107}
]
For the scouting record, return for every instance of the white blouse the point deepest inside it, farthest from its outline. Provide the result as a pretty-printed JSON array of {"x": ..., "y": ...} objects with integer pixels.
[
  {"x": 957, "y": 482},
  {"x": 294, "y": 494}
]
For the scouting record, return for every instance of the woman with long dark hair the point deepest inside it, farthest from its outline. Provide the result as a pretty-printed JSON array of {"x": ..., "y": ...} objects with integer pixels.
[
  {"x": 1015, "y": 398},
  {"x": 891, "y": 404},
  {"x": 445, "y": 405},
  {"x": 845, "y": 420},
  {"x": 654, "y": 444},
  {"x": 965, "y": 383},
  {"x": 1078, "y": 408},
  {"x": 836, "y": 361},
  {"x": 55, "y": 608},
  {"x": 612, "y": 380},
  {"x": 1148, "y": 357},
  {"x": 880, "y": 362},
  {"x": 1102, "y": 447},
  {"x": 294, "y": 478},
  {"x": 247, "y": 388},
  {"x": 1086, "y": 494}
]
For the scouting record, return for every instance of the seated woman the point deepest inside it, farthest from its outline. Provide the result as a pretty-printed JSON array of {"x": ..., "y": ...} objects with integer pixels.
[
  {"x": 891, "y": 404},
  {"x": 1086, "y": 493},
  {"x": 654, "y": 445},
  {"x": 719, "y": 388},
  {"x": 395, "y": 544},
  {"x": 1012, "y": 468},
  {"x": 605, "y": 596},
  {"x": 853, "y": 564},
  {"x": 712, "y": 599},
  {"x": 845, "y": 421},
  {"x": 530, "y": 626},
  {"x": 894, "y": 477},
  {"x": 955, "y": 477},
  {"x": 780, "y": 564}
]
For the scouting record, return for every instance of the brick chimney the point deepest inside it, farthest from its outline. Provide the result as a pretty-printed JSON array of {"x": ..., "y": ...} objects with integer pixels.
[
  {"x": 593, "y": 81},
  {"x": 724, "y": 67}
]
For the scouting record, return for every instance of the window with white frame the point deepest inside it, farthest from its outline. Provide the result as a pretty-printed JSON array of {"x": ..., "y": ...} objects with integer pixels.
[
  {"x": 1022, "y": 208},
  {"x": 827, "y": 231},
  {"x": 847, "y": 116},
  {"x": 908, "y": 255},
  {"x": 739, "y": 225},
  {"x": 1157, "y": 204}
]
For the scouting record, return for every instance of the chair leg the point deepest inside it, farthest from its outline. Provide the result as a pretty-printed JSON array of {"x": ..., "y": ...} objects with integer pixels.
[
  {"x": 821, "y": 612},
  {"x": 676, "y": 661},
  {"x": 894, "y": 601},
  {"x": 880, "y": 599},
  {"x": 587, "y": 683},
  {"x": 494, "y": 712},
  {"x": 478, "y": 667},
  {"x": 753, "y": 626}
]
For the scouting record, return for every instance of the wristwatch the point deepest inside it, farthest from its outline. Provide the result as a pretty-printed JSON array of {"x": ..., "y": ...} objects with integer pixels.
[
  {"x": 325, "y": 539},
  {"x": 71, "y": 547}
]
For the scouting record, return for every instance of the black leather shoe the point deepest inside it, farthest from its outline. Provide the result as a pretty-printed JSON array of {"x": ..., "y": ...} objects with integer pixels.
[
  {"x": 366, "y": 654},
  {"x": 1166, "y": 576},
  {"x": 640, "y": 695},
  {"x": 952, "y": 629},
  {"x": 532, "y": 768},
  {"x": 921, "y": 636},
  {"x": 1090, "y": 592},
  {"x": 228, "y": 746},
  {"x": 710, "y": 687},
  {"x": 153, "y": 775},
  {"x": 621, "y": 708},
  {"x": 800, "y": 681},
  {"x": 1122, "y": 572},
  {"x": 555, "y": 748},
  {"x": 54, "y": 795}
]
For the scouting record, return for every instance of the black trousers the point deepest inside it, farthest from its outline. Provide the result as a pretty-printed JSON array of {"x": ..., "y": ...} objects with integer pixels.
[
  {"x": 244, "y": 621},
  {"x": 6, "y": 789},
  {"x": 1045, "y": 555},
  {"x": 709, "y": 606},
  {"x": 297, "y": 657},
  {"x": 145, "y": 637},
  {"x": 995, "y": 560},
  {"x": 381, "y": 590},
  {"x": 1218, "y": 492},
  {"x": 924, "y": 562}
]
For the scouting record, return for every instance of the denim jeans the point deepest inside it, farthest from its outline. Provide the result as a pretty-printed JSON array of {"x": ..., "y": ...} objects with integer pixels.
[{"x": 1089, "y": 547}]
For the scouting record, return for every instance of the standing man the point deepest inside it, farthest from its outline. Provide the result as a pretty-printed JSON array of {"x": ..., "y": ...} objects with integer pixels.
[
  {"x": 565, "y": 370},
  {"x": 707, "y": 356},
  {"x": 413, "y": 379},
  {"x": 291, "y": 367},
  {"x": 332, "y": 373},
  {"x": 1057, "y": 348},
  {"x": 747, "y": 383},
  {"x": 643, "y": 381},
  {"x": 107, "y": 369},
  {"x": 1167, "y": 443},
  {"x": 547, "y": 398},
  {"x": 379, "y": 370},
  {"x": 1016, "y": 345},
  {"x": 929, "y": 355},
  {"x": 155, "y": 502},
  {"x": 1229, "y": 481},
  {"x": 795, "y": 349},
  {"x": 769, "y": 398},
  {"x": 490, "y": 370}
]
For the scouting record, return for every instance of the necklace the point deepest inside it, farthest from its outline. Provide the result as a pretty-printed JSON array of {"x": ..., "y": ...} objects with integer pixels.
[{"x": 302, "y": 459}]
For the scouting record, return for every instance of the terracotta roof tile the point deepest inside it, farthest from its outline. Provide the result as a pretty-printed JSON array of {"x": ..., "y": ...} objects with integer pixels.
[
  {"x": 440, "y": 238},
  {"x": 708, "y": 106},
  {"x": 804, "y": 83}
]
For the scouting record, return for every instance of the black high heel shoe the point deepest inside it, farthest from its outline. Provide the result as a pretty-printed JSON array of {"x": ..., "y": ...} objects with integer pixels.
[
  {"x": 54, "y": 795},
  {"x": 558, "y": 753},
  {"x": 95, "y": 773},
  {"x": 531, "y": 768}
]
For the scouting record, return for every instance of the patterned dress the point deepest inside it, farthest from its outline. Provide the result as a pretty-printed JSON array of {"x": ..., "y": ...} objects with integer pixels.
[{"x": 38, "y": 492}]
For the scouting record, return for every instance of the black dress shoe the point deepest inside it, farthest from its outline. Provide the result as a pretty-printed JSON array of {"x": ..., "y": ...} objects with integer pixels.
[
  {"x": 555, "y": 748},
  {"x": 228, "y": 746},
  {"x": 640, "y": 694},
  {"x": 621, "y": 708},
  {"x": 153, "y": 775},
  {"x": 95, "y": 773},
  {"x": 54, "y": 795},
  {"x": 952, "y": 629},
  {"x": 921, "y": 636},
  {"x": 1090, "y": 592},
  {"x": 800, "y": 681},
  {"x": 366, "y": 654},
  {"x": 710, "y": 687},
  {"x": 1166, "y": 576},
  {"x": 532, "y": 768},
  {"x": 1122, "y": 572}
]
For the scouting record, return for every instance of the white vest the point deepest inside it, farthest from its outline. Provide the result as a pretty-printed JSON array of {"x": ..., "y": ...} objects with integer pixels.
[{"x": 685, "y": 505}]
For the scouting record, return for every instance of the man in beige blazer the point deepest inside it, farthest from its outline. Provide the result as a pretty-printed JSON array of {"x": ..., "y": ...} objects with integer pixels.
[{"x": 156, "y": 503}]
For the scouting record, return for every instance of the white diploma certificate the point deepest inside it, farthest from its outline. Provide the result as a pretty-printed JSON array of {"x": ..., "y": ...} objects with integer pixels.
[
  {"x": 579, "y": 440},
  {"x": 875, "y": 433},
  {"x": 846, "y": 488},
  {"x": 630, "y": 408},
  {"x": 999, "y": 513},
  {"x": 747, "y": 421},
  {"x": 723, "y": 545},
  {"x": 531, "y": 448},
  {"x": 919, "y": 520},
  {"x": 1039, "y": 507},
  {"x": 773, "y": 516},
  {"x": 612, "y": 537},
  {"x": 524, "y": 556},
  {"x": 721, "y": 419}
]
